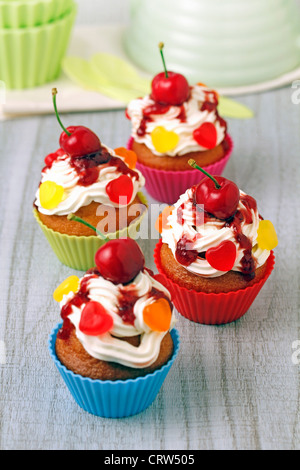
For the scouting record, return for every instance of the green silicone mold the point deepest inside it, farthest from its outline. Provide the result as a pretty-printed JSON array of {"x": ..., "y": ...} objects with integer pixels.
[
  {"x": 29, "y": 13},
  {"x": 79, "y": 252},
  {"x": 31, "y": 57}
]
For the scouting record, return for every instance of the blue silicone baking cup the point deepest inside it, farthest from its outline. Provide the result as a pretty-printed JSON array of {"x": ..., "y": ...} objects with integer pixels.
[{"x": 114, "y": 399}]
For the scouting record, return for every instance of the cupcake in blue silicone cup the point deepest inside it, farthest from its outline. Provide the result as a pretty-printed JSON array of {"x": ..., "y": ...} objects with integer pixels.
[{"x": 117, "y": 341}]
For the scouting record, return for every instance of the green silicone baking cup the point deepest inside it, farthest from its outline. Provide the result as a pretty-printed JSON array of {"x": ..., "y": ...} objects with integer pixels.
[
  {"x": 79, "y": 252},
  {"x": 30, "y": 57},
  {"x": 28, "y": 13}
]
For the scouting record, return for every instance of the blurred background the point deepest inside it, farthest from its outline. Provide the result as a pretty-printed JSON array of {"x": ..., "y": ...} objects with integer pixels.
[
  {"x": 236, "y": 47},
  {"x": 103, "y": 12}
]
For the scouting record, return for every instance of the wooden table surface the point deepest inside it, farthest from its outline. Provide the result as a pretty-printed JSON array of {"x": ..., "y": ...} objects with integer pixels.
[{"x": 232, "y": 387}]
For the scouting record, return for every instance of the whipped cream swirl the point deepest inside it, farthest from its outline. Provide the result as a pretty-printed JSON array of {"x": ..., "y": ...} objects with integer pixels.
[
  {"x": 75, "y": 195},
  {"x": 204, "y": 233},
  {"x": 108, "y": 347},
  {"x": 200, "y": 108}
]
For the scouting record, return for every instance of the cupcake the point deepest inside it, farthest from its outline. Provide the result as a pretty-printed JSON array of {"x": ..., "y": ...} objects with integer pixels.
[
  {"x": 173, "y": 124},
  {"x": 215, "y": 251},
  {"x": 117, "y": 341},
  {"x": 87, "y": 180}
]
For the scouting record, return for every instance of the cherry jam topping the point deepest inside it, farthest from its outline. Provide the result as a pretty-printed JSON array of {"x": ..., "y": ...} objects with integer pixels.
[
  {"x": 143, "y": 126},
  {"x": 186, "y": 256},
  {"x": 241, "y": 216},
  {"x": 157, "y": 109},
  {"x": 183, "y": 254},
  {"x": 126, "y": 302},
  {"x": 211, "y": 96},
  {"x": 88, "y": 166},
  {"x": 208, "y": 106},
  {"x": 128, "y": 298},
  {"x": 222, "y": 122},
  {"x": 77, "y": 301}
]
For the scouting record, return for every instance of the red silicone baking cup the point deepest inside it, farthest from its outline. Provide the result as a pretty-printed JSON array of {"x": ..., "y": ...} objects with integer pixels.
[
  {"x": 210, "y": 308},
  {"x": 168, "y": 186}
]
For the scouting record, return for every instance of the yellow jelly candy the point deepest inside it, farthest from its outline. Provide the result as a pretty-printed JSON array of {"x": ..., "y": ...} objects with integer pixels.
[
  {"x": 164, "y": 140},
  {"x": 158, "y": 315},
  {"x": 162, "y": 220},
  {"x": 51, "y": 194},
  {"x": 266, "y": 235},
  {"x": 71, "y": 284}
]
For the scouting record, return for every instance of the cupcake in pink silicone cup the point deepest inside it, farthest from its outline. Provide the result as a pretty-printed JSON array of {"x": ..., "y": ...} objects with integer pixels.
[
  {"x": 173, "y": 124},
  {"x": 215, "y": 251}
]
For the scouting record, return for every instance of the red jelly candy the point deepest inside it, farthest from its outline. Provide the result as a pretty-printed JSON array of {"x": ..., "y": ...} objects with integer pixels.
[
  {"x": 120, "y": 190},
  {"x": 223, "y": 256},
  {"x": 95, "y": 320},
  {"x": 206, "y": 135}
]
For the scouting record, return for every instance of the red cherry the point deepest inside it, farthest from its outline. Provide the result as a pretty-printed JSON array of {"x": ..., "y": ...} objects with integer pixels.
[
  {"x": 222, "y": 202},
  {"x": 169, "y": 88},
  {"x": 82, "y": 141},
  {"x": 206, "y": 135},
  {"x": 120, "y": 190},
  {"x": 95, "y": 320},
  {"x": 173, "y": 90},
  {"x": 120, "y": 260},
  {"x": 223, "y": 256},
  {"x": 76, "y": 141}
]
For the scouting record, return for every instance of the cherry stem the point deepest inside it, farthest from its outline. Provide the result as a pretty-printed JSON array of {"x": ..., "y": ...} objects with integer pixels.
[
  {"x": 54, "y": 93},
  {"x": 75, "y": 218},
  {"x": 194, "y": 165},
  {"x": 161, "y": 46}
]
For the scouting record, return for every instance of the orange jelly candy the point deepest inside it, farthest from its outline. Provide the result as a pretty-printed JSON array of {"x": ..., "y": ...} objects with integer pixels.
[
  {"x": 128, "y": 155},
  {"x": 162, "y": 220},
  {"x": 158, "y": 315}
]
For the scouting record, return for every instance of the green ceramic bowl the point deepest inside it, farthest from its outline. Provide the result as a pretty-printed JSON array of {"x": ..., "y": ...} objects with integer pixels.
[
  {"x": 79, "y": 252},
  {"x": 28, "y": 13},
  {"x": 31, "y": 57}
]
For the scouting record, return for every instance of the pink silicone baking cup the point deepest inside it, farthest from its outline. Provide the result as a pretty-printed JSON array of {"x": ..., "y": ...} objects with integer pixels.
[
  {"x": 210, "y": 308},
  {"x": 167, "y": 186}
]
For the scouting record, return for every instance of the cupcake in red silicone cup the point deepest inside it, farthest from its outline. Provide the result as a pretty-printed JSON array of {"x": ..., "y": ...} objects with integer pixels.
[
  {"x": 117, "y": 341},
  {"x": 86, "y": 179},
  {"x": 215, "y": 251},
  {"x": 174, "y": 123}
]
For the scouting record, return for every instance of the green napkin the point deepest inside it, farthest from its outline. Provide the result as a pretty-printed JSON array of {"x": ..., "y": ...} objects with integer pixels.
[
  {"x": 117, "y": 79},
  {"x": 233, "y": 109},
  {"x": 107, "y": 74}
]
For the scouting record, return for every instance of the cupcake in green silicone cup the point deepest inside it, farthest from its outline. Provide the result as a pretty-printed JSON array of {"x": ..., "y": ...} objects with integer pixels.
[{"x": 85, "y": 181}]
